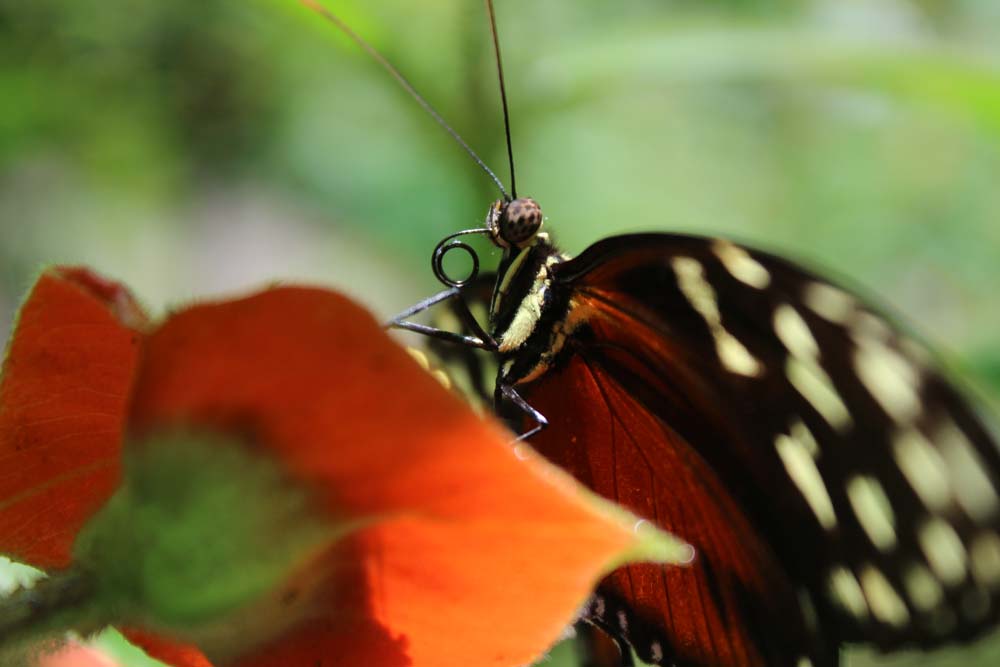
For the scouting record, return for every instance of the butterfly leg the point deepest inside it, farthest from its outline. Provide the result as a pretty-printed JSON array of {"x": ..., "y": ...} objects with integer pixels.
[
  {"x": 421, "y": 306},
  {"x": 479, "y": 338},
  {"x": 509, "y": 393},
  {"x": 597, "y": 648},
  {"x": 624, "y": 652}
]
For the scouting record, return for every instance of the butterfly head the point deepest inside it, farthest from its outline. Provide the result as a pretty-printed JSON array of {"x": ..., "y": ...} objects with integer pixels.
[{"x": 514, "y": 224}]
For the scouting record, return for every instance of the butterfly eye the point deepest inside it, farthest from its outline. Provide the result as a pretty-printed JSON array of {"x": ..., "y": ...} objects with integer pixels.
[{"x": 514, "y": 224}]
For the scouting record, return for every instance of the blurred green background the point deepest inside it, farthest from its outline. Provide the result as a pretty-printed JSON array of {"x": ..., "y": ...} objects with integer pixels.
[{"x": 197, "y": 147}]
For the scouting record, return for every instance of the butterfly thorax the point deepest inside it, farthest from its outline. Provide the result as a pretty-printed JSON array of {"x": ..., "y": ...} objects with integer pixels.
[{"x": 527, "y": 310}]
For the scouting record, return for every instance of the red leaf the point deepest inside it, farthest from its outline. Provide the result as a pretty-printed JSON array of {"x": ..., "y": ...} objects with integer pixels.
[
  {"x": 172, "y": 653},
  {"x": 466, "y": 553},
  {"x": 65, "y": 384},
  {"x": 472, "y": 557}
]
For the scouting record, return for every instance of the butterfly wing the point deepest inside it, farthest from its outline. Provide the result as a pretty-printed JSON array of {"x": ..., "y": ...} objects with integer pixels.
[
  {"x": 722, "y": 608},
  {"x": 863, "y": 471}
]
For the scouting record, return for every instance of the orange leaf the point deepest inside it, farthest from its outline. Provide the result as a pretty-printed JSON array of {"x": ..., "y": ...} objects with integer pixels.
[
  {"x": 473, "y": 557},
  {"x": 63, "y": 392},
  {"x": 171, "y": 653}
]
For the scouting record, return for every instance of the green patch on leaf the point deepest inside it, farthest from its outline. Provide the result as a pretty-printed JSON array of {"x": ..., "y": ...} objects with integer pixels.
[{"x": 201, "y": 531}]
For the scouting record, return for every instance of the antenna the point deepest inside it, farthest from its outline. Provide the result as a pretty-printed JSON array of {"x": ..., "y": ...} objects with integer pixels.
[
  {"x": 503, "y": 94},
  {"x": 408, "y": 87}
]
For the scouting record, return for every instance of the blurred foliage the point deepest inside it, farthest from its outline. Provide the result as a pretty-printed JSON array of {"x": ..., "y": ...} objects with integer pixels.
[{"x": 198, "y": 146}]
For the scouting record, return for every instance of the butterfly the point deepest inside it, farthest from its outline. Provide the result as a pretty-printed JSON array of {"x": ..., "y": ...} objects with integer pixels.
[{"x": 835, "y": 486}]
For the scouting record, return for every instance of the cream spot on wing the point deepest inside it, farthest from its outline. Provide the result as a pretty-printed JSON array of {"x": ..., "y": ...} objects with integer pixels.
[
  {"x": 889, "y": 378},
  {"x": 815, "y": 386},
  {"x": 885, "y": 603},
  {"x": 692, "y": 283},
  {"x": 944, "y": 550},
  {"x": 846, "y": 592},
  {"x": 733, "y": 355},
  {"x": 741, "y": 265},
  {"x": 794, "y": 333},
  {"x": 804, "y": 436},
  {"x": 984, "y": 558},
  {"x": 873, "y": 510},
  {"x": 869, "y": 326},
  {"x": 923, "y": 468},
  {"x": 804, "y": 662},
  {"x": 829, "y": 302},
  {"x": 967, "y": 471},
  {"x": 916, "y": 352},
  {"x": 923, "y": 590},
  {"x": 802, "y": 470}
]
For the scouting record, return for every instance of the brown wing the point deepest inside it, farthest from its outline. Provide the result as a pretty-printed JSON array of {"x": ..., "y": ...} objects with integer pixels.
[
  {"x": 859, "y": 466},
  {"x": 733, "y": 605}
]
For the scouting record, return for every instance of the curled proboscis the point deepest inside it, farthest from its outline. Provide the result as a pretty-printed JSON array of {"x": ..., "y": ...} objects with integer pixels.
[{"x": 448, "y": 244}]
